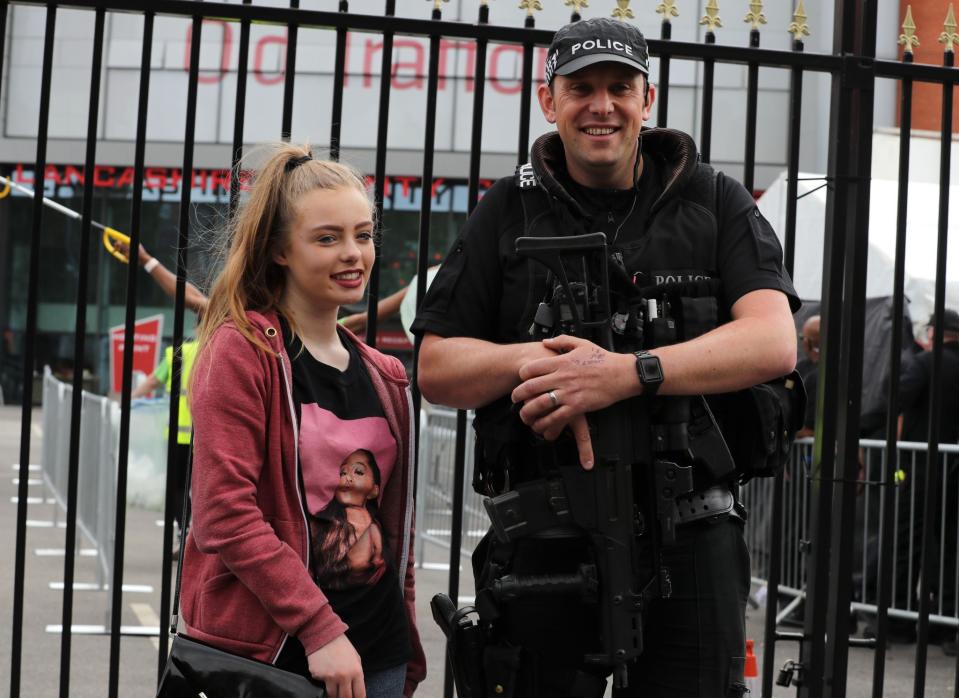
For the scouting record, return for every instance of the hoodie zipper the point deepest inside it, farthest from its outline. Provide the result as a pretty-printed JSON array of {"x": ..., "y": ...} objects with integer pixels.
[
  {"x": 288, "y": 390},
  {"x": 408, "y": 509}
]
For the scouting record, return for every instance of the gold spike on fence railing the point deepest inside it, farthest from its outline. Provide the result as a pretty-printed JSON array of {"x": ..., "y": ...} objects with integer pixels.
[
  {"x": 577, "y": 5},
  {"x": 531, "y": 6},
  {"x": 438, "y": 4},
  {"x": 711, "y": 19},
  {"x": 798, "y": 27},
  {"x": 949, "y": 37},
  {"x": 908, "y": 39},
  {"x": 623, "y": 11},
  {"x": 755, "y": 15},
  {"x": 667, "y": 8}
]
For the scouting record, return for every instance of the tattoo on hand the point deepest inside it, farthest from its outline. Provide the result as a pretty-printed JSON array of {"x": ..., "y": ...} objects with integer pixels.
[{"x": 596, "y": 357}]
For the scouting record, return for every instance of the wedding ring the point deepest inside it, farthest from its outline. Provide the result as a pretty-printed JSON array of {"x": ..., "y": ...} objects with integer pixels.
[{"x": 552, "y": 396}]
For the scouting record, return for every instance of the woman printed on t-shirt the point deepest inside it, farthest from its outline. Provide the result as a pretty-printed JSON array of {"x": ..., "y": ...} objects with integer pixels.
[
  {"x": 351, "y": 543},
  {"x": 280, "y": 398}
]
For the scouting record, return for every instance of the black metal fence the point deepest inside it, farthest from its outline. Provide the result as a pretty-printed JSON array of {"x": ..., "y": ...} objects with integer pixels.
[{"x": 854, "y": 71}]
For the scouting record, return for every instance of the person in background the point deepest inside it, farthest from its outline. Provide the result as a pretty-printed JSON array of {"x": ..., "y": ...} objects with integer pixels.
[
  {"x": 164, "y": 278},
  {"x": 281, "y": 395},
  {"x": 401, "y": 302},
  {"x": 915, "y": 386},
  {"x": 163, "y": 377},
  {"x": 808, "y": 368}
]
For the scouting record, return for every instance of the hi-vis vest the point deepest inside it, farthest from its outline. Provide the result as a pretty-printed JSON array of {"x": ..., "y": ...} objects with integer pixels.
[{"x": 185, "y": 420}]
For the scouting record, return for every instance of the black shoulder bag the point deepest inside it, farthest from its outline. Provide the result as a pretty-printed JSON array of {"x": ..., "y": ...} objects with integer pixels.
[{"x": 194, "y": 668}]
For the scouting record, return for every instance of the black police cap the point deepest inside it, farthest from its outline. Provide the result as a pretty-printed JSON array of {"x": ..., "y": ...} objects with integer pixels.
[{"x": 596, "y": 40}]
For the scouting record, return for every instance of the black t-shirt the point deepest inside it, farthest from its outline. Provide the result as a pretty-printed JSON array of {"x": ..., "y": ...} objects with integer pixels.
[
  {"x": 483, "y": 288},
  {"x": 347, "y": 457}
]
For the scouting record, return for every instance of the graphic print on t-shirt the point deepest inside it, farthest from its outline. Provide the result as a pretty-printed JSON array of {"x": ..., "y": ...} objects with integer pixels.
[
  {"x": 346, "y": 465},
  {"x": 347, "y": 456}
]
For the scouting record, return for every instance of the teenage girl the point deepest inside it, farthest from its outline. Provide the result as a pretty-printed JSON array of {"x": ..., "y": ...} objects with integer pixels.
[{"x": 281, "y": 397}]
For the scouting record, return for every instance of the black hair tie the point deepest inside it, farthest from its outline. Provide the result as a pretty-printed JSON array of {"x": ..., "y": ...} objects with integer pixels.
[{"x": 296, "y": 162}]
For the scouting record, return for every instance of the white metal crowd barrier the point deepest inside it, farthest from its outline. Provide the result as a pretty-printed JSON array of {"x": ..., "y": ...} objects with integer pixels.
[
  {"x": 97, "y": 469},
  {"x": 906, "y": 531},
  {"x": 434, "y": 504},
  {"x": 437, "y": 440}
]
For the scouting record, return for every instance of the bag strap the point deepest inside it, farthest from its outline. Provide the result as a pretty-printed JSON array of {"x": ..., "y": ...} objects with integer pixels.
[{"x": 184, "y": 525}]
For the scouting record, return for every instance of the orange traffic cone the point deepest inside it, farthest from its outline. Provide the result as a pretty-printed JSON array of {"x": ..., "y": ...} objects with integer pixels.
[{"x": 750, "y": 670}]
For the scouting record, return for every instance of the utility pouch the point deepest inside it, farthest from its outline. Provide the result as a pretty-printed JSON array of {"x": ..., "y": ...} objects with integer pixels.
[
  {"x": 501, "y": 665},
  {"x": 465, "y": 644},
  {"x": 699, "y": 315},
  {"x": 499, "y": 440},
  {"x": 692, "y": 307},
  {"x": 767, "y": 417}
]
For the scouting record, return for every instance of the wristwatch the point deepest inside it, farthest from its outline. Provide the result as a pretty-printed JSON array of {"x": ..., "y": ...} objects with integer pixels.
[{"x": 650, "y": 372}]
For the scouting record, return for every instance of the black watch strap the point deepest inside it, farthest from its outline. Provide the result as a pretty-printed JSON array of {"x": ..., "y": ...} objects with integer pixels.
[{"x": 650, "y": 372}]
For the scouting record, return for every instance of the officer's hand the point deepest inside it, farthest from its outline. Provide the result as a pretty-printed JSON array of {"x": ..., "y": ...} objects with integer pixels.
[{"x": 581, "y": 378}]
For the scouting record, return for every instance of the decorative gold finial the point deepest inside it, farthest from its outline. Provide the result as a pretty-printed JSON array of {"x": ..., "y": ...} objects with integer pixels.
[
  {"x": 531, "y": 6},
  {"x": 711, "y": 19},
  {"x": 667, "y": 8},
  {"x": 438, "y": 4},
  {"x": 623, "y": 12},
  {"x": 908, "y": 39},
  {"x": 755, "y": 15},
  {"x": 949, "y": 36},
  {"x": 577, "y": 5},
  {"x": 798, "y": 27}
]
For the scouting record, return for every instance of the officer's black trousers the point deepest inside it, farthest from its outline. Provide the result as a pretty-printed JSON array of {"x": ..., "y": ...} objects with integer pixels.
[{"x": 694, "y": 641}]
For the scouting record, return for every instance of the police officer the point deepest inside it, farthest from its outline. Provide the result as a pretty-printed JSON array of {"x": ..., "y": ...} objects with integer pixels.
[{"x": 668, "y": 219}]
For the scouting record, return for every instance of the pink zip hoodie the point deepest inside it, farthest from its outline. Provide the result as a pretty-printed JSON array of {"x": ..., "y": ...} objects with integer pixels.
[{"x": 246, "y": 586}]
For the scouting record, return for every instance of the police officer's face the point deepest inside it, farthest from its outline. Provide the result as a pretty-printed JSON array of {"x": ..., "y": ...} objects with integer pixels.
[{"x": 598, "y": 112}]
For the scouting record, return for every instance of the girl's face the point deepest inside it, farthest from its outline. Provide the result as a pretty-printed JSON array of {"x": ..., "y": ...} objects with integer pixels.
[
  {"x": 329, "y": 251},
  {"x": 356, "y": 481}
]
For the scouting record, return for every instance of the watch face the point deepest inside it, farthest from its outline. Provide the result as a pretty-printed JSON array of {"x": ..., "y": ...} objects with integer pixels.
[
  {"x": 654, "y": 372},
  {"x": 650, "y": 370}
]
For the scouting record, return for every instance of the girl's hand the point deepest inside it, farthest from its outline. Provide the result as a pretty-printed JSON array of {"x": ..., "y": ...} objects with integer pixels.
[{"x": 338, "y": 666}]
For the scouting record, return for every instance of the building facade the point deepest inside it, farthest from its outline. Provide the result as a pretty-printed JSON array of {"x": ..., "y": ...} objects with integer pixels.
[{"x": 163, "y": 179}]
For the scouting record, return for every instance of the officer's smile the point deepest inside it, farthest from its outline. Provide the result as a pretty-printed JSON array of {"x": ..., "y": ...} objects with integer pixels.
[{"x": 599, "y": 130}]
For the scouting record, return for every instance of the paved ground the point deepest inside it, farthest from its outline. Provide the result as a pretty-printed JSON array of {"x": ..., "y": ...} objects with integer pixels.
[{"x": 90, "y": 653}]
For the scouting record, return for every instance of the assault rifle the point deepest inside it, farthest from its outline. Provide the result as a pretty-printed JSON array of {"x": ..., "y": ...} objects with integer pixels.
[{"x": 600, "y": 501}]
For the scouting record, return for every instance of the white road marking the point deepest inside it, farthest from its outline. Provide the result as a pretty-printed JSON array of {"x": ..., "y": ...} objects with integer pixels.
[
  {"x": 61, "y": 552},
  {"x": 137, "y": 630},
  {"x": 93, "y": 586},
  {"x": 148, "y": 617}
]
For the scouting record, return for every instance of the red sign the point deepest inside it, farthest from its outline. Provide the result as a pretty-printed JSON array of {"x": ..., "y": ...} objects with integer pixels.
[
  {"x": 393, "y": 340},
  {"x": 146, "y": 350},
  {"x": 170, "y": 179},
  {"x": 407, "y": 71}
]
